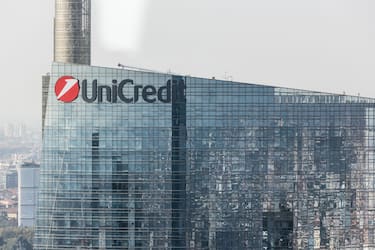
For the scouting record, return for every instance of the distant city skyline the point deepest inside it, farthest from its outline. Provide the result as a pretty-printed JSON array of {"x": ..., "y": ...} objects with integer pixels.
[{"x": 321, "y": 45}]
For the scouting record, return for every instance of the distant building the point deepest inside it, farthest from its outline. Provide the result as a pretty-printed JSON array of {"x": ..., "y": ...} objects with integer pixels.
[
  {"x": 28, "y": 183},
  {"x": 11, "y": 180},
  {"x": 8, "y": 203},
  {"x": 11, "y": 213},
  {"x": 14, "y": 130},
  {"x": 8, "y": 130}
]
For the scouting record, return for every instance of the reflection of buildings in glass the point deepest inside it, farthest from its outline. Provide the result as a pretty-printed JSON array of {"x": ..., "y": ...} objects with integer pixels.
[
  {"x": 221, "y": 165},
  {"x": 224, "y": 165}
]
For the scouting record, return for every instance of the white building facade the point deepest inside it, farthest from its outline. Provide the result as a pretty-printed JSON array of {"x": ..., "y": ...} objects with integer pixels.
[{"x": 28, "y": 183}]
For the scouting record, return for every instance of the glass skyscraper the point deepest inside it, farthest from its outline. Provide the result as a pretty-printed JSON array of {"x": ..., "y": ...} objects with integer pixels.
[{"x": 176, "y": 162}]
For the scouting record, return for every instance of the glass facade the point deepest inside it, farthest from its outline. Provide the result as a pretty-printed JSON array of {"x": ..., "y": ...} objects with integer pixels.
[{"x": 221, "y": 165}]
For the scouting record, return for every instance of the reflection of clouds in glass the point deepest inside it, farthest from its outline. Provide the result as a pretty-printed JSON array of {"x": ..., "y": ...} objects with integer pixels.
[{"x": 120, "y": 23}]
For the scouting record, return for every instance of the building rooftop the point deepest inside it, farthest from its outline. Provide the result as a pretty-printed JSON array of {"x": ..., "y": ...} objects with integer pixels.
[{"x": 30, "y": 165}]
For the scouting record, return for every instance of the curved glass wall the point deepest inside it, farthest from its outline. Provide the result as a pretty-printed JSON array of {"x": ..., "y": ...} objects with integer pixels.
[{"x": 219, "y": 165}]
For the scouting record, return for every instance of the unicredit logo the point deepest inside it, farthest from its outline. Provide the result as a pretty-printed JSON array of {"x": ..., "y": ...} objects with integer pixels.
[{"x": 67, "y": 89}]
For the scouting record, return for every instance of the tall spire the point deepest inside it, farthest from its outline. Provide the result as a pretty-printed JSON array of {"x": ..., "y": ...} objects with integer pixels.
[{"x": 72, "y": 31}]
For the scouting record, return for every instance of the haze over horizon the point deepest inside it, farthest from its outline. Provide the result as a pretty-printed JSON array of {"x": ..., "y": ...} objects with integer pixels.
[{"x": 322, "y": 45}]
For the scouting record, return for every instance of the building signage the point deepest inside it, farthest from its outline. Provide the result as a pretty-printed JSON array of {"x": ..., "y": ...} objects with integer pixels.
[{"x": 67, "y": 89}]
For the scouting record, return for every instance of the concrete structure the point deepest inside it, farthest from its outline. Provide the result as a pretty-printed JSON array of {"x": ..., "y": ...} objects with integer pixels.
[{"x": 28, "y": 184}]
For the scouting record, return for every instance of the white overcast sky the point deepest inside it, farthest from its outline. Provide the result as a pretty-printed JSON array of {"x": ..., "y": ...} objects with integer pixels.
[{"x": 324, "y": 45}]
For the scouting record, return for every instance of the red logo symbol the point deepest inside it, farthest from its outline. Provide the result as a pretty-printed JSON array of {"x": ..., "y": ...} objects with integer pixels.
[{"x": 67, "y": 89}]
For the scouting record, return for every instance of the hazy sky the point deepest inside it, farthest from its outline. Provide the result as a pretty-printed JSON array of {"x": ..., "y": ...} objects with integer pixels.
[{"x": 324, "y": 45}]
